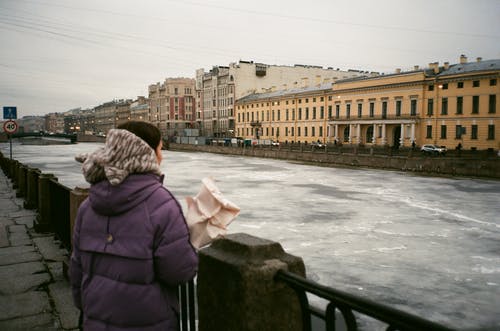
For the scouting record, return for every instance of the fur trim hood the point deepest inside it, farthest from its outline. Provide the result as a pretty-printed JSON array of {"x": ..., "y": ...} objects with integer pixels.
[{"x": 123, "y": 154}]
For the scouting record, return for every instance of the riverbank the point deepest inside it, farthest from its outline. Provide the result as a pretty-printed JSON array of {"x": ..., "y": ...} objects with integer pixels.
[{"x": 465, "y": 164}]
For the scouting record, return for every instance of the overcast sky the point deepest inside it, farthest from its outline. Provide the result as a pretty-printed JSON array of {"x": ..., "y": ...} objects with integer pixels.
[{"x": 56, "y": 55}]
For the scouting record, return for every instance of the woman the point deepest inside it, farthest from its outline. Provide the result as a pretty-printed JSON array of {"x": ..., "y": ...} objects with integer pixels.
[{"x": 131, "y": 246}]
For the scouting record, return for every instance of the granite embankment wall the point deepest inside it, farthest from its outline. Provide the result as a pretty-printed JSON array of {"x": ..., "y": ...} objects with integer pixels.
[{"x": 469, "y": 164}]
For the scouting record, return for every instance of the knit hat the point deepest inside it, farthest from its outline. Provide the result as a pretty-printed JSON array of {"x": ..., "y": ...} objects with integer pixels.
[{"x": 123, "y": 154}]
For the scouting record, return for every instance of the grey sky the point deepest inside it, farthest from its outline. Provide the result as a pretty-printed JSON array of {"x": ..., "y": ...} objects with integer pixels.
[{"x": 58, "y": 54}]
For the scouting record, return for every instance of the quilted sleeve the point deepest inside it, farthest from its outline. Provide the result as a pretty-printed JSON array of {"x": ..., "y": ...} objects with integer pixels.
[{"x": 75, "y": 268}]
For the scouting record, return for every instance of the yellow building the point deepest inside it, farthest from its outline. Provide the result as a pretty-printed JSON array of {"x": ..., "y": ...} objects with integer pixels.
[{"x": 444, "y": 105}]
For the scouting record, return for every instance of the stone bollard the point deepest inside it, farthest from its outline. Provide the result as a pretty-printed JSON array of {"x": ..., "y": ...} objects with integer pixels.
[
  {"x": 236, "y": 287},
  {"x": 21, "y": 181},
  {"x": 42, "y": 222},
  {"x": 31, "y": 199},
  {"x": 14, "y": 166},
  {"x": 76, "y": 197}
]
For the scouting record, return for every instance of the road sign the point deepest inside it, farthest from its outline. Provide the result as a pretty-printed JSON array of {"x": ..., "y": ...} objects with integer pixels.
[
  {"x": 10, "y": 126},
  {"x": 10, "y": 113}
]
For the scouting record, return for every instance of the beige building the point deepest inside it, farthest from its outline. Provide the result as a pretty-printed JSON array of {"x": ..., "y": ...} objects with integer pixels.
[
  {"x": 172, "y": 105},
  {"x": 445, "y": 105},
  {"x": 221, "y": 86},
  {"x": 54, "y": 122},
  {"x": 110, "y": 113},
  {"x": 139, "y": 109}
]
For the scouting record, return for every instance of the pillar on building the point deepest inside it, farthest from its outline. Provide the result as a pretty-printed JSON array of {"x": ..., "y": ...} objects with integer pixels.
[
  {"x": 350, "y": 133},
  {"x": 402, "y": 136},
  {"x": 42, "y": 222},
  {"x": 236, "y": 286},
  {"x": 384, "y": 139},
  {"x": 337, "y": 133},
  {"x": 374, "y": 139},
  {"x": 358, "y": 133},
  {"x": 412, "y": 132}
]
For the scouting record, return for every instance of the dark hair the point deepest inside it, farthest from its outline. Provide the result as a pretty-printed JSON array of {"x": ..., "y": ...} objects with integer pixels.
[{"x": 146, "y": 131}]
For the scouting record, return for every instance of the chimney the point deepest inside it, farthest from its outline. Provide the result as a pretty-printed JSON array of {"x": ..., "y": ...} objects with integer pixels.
[
  {"x": 463, "y": 59},
  {"x": 446, "y": 65},
  {"x": 434, "y": 66},
  {"x": 398, "y": 70},
  {"x": 479, "y": 59},
  {"x": 416, "y": 68}
]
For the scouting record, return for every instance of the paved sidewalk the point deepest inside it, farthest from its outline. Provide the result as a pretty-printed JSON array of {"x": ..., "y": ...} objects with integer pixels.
[{"x": 34, "y": 295}]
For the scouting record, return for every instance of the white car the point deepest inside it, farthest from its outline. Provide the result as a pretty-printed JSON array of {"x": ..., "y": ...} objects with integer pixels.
[{"x": 433, "y": 149}]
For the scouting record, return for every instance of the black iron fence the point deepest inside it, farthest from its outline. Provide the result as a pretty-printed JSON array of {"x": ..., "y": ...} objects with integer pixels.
[{"x": 346, "y": 304}]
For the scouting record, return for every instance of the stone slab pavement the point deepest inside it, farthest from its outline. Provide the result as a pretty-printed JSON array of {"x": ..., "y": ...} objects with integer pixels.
[{"x": 34, "y": 294}]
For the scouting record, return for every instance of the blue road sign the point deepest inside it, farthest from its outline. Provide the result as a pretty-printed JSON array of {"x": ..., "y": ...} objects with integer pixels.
[{"x": 10, "y": 113}]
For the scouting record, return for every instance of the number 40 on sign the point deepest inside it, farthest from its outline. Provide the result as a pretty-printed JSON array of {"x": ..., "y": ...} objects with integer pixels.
[{"x": 10, "y": 126}]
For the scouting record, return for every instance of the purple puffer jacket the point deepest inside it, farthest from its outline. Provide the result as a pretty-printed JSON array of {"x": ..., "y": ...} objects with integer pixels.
[{"x": 131, "y": 250}]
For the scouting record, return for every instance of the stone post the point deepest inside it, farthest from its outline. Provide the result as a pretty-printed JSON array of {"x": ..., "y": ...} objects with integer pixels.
[
  {"x": 76, "y": 197},
  {"x": 31, "y": 200},
  {"x": 42, "y": 222},
  {"x": 14, "y": 166},
  {"x": 236, "y": 287},
  {"x": 21, "y": 181}
]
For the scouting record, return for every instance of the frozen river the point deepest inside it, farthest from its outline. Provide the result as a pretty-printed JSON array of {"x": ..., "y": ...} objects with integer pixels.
[{"x": 429, "y": 246}]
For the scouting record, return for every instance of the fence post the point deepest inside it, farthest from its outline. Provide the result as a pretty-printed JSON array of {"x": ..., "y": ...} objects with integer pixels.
[
  {"x": 31, "y": 200},
  {"x": 76, "y": 197},
  {"x": 21, "y": 181},
  {"x": 236, "y": 290},
  {"x": 42, "y": 222}
]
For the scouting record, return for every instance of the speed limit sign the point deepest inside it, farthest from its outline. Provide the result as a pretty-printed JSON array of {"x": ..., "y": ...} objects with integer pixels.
[{"x": 10, "y": 126}]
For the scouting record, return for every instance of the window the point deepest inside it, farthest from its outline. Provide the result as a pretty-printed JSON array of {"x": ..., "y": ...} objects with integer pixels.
[
  {"x": 430, "y": 107},
  {"x": 445, "y": 86},
  {"x": 322, "y": 111},
  {"x": 475, "y": 104},
  {"x": 360, "y": 109},
  {"x": 307, "y": 112},
  {"x": 314, "y": 113},
  {"x": 493, "y": 82},
  {"x": 372, "y": 109},
  {"x": 443, "y": 131},
  {"x": 321, "y": 131},
  {"x": 330, "y": 111},
  {"x": 348, "y": 110},
  {"x": 293, "y": 131},
  {"x": 384, "y": 109},
  {"x": 460, "y": 85},
  {"x": 444, "y": 106},
  {"x": 492, "y": 105},
  {"x": 460, "y": 105},
  {"x": 473, "y": 131},
  {"x": 413, "y": 107},
  {"x": 431, "y": 87},
  {"x": 337, "y": 111},
  {"x": 298, "y": 131},
  {"x": 458, "y": 132},
  {"x": 475, "y": 83},
  {"x": 398, "y": 107},
  {"x": 279, "y": 115},
  {"x": 429, "y": 132},
  {"x": 491, "y": 132},
  {"x": 286, "y": 115},
  {"x": 313, "y": 131},
  {"x": 299, "y": 114}
]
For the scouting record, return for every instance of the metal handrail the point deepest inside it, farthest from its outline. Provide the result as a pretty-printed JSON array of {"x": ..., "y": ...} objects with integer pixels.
[
  {"x": 187, "y": 305},
  {"x": 346, "y": 303}
]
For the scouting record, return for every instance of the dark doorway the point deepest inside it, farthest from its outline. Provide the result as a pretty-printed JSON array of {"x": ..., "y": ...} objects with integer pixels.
[{"x": 397, "y": 137}]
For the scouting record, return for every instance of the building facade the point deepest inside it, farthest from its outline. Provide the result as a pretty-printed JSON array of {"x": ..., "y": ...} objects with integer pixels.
[
  {"x": 445, "y": 105},
  {"x": 109, "y": 114},
  {"x": 139, "y": 109},
  {"x": 223, "y": 85},
  {"x": 172, "y": 105}
]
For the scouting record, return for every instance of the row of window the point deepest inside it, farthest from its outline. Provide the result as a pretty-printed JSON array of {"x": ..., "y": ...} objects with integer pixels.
[
  {"x": 461, "y": 131},
  {"x": 492, "y": 105},
  {"x": 475, "y": 83},
  {"x": 275, "y": 132}
]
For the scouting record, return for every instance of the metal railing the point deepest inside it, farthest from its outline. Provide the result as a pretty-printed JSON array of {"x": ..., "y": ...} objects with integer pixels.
[
  {"x": 187, "y": 304},
  {"x": 346, "y": 304}
]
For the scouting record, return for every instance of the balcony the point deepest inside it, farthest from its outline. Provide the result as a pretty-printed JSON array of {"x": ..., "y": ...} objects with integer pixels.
[{"x": 256, "y": 124}]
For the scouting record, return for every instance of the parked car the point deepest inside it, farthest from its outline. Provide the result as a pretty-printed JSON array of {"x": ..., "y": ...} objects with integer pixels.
[
  {"x": 433, "y": 149},
  {"x": 317, "y": 145},
  {"x": 275, "y": 143}
]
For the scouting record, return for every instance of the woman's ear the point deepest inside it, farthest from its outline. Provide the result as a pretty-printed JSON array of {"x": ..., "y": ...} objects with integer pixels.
[{"x": 159, "y": 156}]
